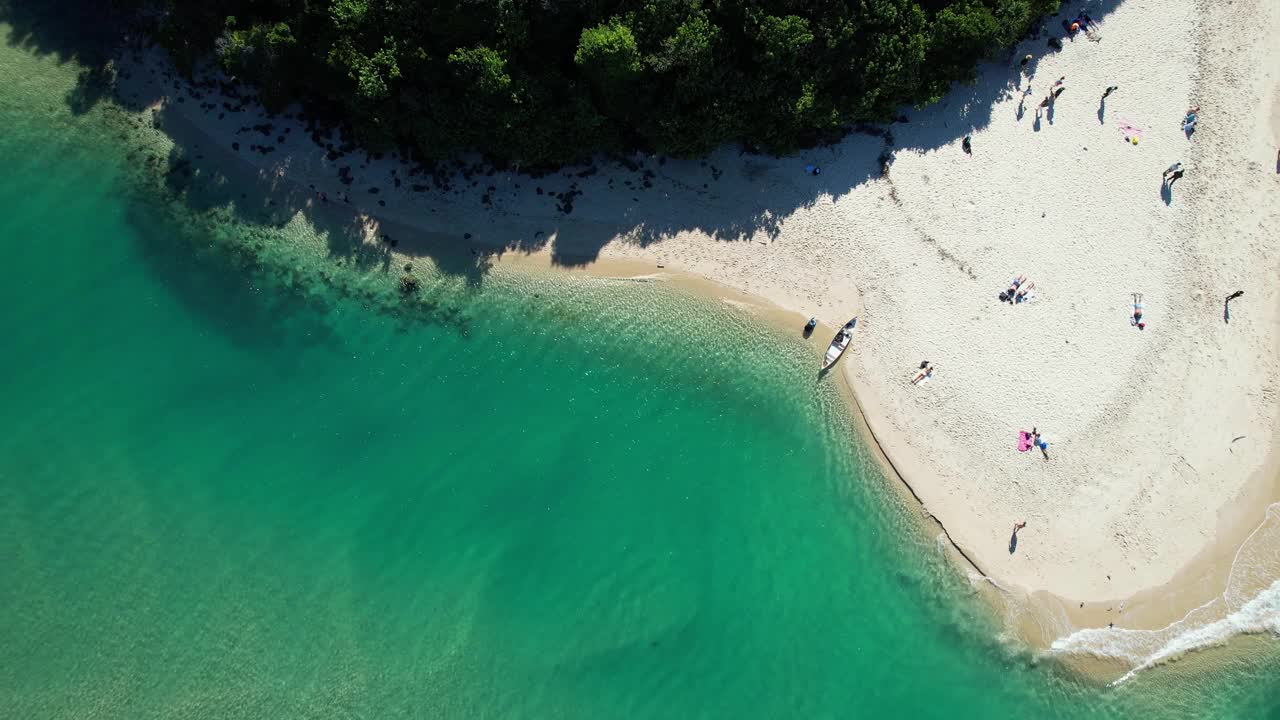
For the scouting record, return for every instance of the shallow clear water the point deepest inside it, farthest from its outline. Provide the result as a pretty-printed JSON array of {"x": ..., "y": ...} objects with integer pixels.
[{"x": 240, "y": 478}]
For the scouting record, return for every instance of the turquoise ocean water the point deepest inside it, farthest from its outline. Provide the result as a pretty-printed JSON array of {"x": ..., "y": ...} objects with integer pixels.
[{"x": 240, "y": 478}]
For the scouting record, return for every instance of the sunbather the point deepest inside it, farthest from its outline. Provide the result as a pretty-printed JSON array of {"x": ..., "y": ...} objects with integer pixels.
[
  {"x": 924, "y": 373},
  {"x": 1008, "y": 295}
]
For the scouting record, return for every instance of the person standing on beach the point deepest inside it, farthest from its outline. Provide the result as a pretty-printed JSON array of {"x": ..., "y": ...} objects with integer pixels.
[
  {"x": 1036, "y": 441},
  {"x": 1110, "y": 89},
  {"x": 1226, "y": 305},
  {"x": 1013, "y": 539},
  {"x": 1174, "y": 168}
]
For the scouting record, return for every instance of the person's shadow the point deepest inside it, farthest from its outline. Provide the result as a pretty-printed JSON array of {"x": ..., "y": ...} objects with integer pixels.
[
  {"x": 1013, "y": 542},
  {"x": 1036, "y": 126},
  {"x": 1166, "y": 192},
  {"x": 1102, "y": 111}
]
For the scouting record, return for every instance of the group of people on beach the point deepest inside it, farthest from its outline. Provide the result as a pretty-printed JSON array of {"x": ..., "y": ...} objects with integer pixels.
[
  {"x": 1174, "y": 172},
  {"x": 1081, "y": 23},
  {"x": 1054, "y": 92},
  {"x": 1019, "y": 291}
]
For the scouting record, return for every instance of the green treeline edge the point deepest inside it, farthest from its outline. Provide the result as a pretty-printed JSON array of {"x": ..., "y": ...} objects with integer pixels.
[{"x": 547, "y": 82}]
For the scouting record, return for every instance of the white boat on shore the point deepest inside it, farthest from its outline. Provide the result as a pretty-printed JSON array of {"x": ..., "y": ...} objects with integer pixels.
[{"x": 838, "y": 344}]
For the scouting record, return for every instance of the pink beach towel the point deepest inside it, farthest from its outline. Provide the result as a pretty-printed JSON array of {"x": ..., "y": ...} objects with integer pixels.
[
  {"x": 1129, "y": 130},
  {"x": 1024, "y": 441}
]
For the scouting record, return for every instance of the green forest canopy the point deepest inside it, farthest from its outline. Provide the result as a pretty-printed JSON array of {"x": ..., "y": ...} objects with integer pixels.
[{"x": 545, "y": 82}]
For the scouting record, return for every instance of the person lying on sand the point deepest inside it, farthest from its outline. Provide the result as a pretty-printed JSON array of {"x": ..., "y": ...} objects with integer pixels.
[
  {"x": 1137, "y": 312},
  {"x": 1009, "y": 295},
  {"x": 926, "y": 372},
  {"x": 1024, "y": 292}
]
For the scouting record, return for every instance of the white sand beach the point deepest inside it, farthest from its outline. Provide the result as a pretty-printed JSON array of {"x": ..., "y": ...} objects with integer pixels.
[{"x": 1161, "y": 441}]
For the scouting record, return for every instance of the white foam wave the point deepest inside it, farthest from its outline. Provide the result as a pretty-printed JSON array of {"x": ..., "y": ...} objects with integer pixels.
[
  {"x": 1248, "y": 606},
  {"x": 1261, "y": 614}
]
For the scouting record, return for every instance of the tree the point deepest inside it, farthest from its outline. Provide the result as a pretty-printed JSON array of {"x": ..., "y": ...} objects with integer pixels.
[{"x": 554, "y": 81}]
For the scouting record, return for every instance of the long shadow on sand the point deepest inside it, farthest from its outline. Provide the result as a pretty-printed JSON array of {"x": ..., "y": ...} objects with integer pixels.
[{"x": 649, "y": 191}]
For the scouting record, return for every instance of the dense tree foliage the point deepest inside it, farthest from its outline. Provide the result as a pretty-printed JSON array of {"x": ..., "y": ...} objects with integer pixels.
[{"x": 543, "y": 82}]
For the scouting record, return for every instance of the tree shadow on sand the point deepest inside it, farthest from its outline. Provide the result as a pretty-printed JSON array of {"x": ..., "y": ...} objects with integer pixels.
[{"x": 650, "y": 200}]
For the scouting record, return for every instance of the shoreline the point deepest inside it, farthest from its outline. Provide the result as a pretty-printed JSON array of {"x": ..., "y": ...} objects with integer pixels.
[{"x": 711, "y": 264}]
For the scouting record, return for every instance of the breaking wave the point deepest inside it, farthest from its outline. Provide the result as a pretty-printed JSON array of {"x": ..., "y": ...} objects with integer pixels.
[{"x": 1250, "y": 605}]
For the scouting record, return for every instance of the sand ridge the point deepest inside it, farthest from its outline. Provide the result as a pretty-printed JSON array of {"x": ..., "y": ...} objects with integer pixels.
[{"x": 1153, "y": 434}]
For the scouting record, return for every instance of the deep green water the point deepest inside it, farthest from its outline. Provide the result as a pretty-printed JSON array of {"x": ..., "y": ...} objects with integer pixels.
[{"x": 239, "y": 480}]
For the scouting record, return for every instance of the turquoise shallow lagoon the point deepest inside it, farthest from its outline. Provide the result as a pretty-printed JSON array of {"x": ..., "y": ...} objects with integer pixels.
[{"x": 240, "y": 479}]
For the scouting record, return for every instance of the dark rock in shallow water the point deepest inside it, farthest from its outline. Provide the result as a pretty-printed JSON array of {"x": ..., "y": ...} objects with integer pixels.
[
  {"x": 235, "y": 146},
  {"x": 383, "y": 203},
  {"x": 373, "y": 191}
]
